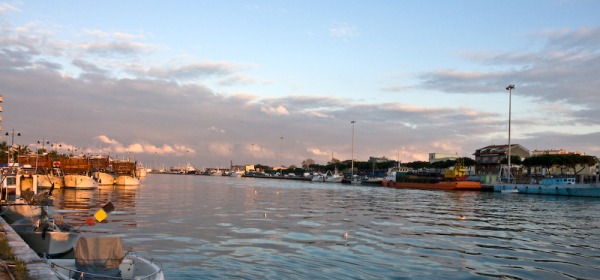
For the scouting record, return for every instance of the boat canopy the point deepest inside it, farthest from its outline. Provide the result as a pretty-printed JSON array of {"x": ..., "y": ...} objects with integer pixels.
[{"x": 99, "y": 255}]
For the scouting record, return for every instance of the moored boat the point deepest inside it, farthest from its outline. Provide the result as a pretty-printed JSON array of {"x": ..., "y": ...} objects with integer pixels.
[
  {"x": 454, "y": 179},
  {"x": 553, "y": 186},
  {"x": 328, "y": 177},
  {"x": 104, "y": 178},
  {"x": 104, "y": 258},
  {"x": 126, "y": 180},
  {"x": 80, "y": 181},
  {"x": 18, "y": 188}
]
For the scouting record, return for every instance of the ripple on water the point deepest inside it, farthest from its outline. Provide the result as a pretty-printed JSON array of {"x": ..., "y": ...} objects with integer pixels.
[{"x": 206, "y": 227}]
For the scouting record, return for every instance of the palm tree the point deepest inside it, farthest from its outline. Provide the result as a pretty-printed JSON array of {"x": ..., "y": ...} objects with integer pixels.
[{"x": 4, "y": 152}]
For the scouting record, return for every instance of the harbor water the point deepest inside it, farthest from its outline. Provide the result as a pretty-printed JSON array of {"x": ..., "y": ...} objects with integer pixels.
[{"x": 207, "y": 227}]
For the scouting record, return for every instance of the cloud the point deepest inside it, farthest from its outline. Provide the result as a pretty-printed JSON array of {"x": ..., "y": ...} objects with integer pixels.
[
  {"x": 275, "y": 111},
  {"x": 343, "y": 31}
]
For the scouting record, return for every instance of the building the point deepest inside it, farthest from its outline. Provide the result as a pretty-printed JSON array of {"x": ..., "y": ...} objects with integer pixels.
[
  {"x": 487, "y": 159},
  {"x": 436, "y": 157}
]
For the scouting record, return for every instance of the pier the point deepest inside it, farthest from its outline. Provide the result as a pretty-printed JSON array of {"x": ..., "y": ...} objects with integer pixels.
[{"x": 37, "y": 268}]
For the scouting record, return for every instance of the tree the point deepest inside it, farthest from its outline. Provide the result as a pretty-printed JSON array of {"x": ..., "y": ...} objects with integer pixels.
[{"x": 307, "y": 162}]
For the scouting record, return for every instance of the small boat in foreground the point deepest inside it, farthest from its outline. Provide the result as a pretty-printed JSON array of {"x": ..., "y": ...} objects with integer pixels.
[{"x": 103, "y": 258}]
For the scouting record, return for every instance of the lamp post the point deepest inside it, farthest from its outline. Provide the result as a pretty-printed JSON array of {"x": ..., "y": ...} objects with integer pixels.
[
  {"x": 43, "y": 142},
  {"x": 352, "y": 171},
  {"x": 12, "y": 143},
  {"x": 281, "y": 155},
  {"x": 509, "y": 88},
  {"x": 252, "y": 158}
]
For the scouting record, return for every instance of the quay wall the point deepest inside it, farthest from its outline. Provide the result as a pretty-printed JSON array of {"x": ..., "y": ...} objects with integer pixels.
[{"x": 36, "y": 266}]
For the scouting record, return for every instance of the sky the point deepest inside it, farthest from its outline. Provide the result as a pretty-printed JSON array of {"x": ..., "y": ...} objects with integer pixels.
[{"x": 278, "y": 82}]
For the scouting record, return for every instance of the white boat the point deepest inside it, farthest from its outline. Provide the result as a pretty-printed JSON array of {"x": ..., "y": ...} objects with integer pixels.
[
  {"x": 80, "y": 181},
  {"x": 140, "y": 171},
  {"x": 47, "y": 237},
  {"x": 237, "y": 173},
  {"x": 104, "y": 178},
  {"x": 126, "y": 180},
  {"x": 328, "y": 177},
  {"x": 103, "y": 258},
  {"x": 19, "y": 187},
  {"x": 54, "y": 178}
]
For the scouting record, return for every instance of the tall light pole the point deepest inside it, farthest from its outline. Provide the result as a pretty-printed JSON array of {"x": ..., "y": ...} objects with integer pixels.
[
  {"x": 43, "y": 142},
  {"x": 252, "y": 159},
  {"x": 352, "y": 122},
  {"x": 12, "y": 143},
  {"x": 281, "y": 154},
  {"x": 509, "y": 88}
]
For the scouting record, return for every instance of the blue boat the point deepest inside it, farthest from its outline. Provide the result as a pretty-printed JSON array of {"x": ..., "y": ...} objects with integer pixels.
[{"x": 552, "y": 186}]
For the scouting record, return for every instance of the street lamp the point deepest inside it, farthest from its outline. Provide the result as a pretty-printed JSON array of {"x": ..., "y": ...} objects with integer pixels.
[
  {"x": 352, "y": 122},
  {"x": 252, "y": 159},
  {"x": 509, "y": 88},
  {"x": 281, "y": 155},
  {"x": 43, "y": 142},
  {"x": 12, "y": 143}
]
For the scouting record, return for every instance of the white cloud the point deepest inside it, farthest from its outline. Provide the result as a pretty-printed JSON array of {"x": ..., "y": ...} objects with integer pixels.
[{"x": 276, "y": 111}]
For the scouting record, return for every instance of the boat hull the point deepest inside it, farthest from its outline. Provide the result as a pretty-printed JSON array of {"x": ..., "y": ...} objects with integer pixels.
[
  {"x": 80, "y": 182},
  {"x": 126, "y": 180},
  {"x": 444, "y": 185},
  {"x": 103, "y": 178},
  {"x": 46, "y": 181},
  {"x": 132, "y": 267},
  {"x": 585, "y": 190},
  {"x": 51, "y": 244}
]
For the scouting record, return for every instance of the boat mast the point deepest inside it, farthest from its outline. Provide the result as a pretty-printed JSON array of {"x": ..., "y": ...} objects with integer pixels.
[{"x": 509, "y": 88}]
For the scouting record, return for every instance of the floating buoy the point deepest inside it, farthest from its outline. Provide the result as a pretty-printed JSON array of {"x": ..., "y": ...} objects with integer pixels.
[
  {"x": 345, "y": 235},
  {"x": 462, "y": 217}
]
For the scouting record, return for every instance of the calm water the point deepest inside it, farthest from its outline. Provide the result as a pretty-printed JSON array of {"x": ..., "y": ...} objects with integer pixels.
[{"x": 203, "y": 227}]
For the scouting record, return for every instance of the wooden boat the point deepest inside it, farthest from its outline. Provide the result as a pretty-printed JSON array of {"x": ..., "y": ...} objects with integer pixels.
[{"x": 103, "y": 258}]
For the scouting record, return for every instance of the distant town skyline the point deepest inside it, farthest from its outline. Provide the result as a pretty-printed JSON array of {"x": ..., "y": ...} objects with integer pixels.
[{"x": 278, "y": 82}]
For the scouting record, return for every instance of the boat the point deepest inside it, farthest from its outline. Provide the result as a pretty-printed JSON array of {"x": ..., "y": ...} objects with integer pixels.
[
  {"x": 453, "y": 179},
  {"x": 563, "y": 186},
  {"x": 125, "y": 173},
  {"x": 103, "y": 178},
  {"x": 104, "y": 258},
  {"x": 236, "y": 173},
  {"x": 126, "y": 180},
  {"x": 53, "y": 178},
  {"x": 328, "y": 177},
  {"x": 80, "y": 181},
  {"x": 44, "y": 235},
  {"x": 102, "y": 170},
  {"x": 19, "y": 186}
]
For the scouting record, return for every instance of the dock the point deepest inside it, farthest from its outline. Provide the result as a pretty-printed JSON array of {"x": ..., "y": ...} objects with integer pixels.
[{"x": 37, "y": 268}]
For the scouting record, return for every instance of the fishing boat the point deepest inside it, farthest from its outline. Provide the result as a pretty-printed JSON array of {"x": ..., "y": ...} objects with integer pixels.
[
  {"x": 125, "y": 173},
  {"x": 564, "y": 186},
  {"x": 453, "y": 179},
  {"x": 328, "y": 177},
  {"x": 44, "y": 235},
  {"x": 53, "y": 178},
  {"x": 103, "y": 178},
  {"x": 104, "y": 258},
  {"x": 126, "y": 180},
  {"x": 19, "y": 185},
  {"x": 80, "y": 181}
]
